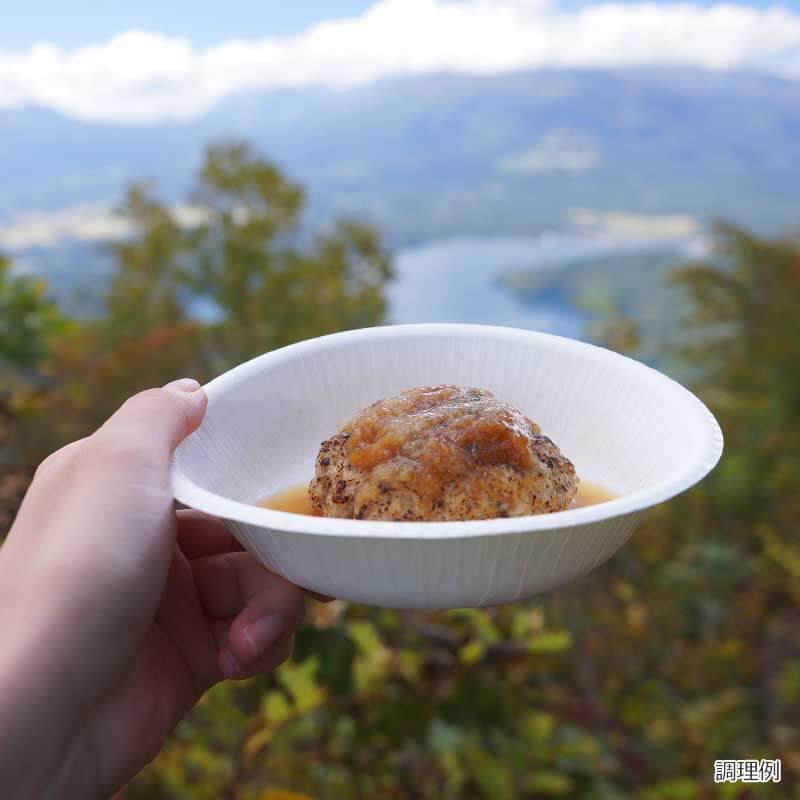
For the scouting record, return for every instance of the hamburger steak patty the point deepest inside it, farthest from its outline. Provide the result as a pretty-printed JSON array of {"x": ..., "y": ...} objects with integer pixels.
[{"x": 440, "y": 453}]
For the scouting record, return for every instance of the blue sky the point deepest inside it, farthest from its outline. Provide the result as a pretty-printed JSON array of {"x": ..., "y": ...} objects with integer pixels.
[{"x": 204, "y": 22}]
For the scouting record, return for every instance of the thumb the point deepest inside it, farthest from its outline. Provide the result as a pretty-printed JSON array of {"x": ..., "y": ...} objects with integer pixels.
[{"x": 159, "y": 418}]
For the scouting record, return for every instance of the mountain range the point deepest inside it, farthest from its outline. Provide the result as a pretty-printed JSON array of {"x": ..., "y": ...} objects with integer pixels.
[{"x": 445, "y": 154}]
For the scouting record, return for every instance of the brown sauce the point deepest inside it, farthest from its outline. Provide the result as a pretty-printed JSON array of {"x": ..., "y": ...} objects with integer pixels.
[
  {"x": 441, "y": 433},
  {"x": 296, "y": 501}
]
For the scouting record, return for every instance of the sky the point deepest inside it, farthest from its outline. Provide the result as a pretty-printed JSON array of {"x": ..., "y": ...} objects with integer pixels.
[
  {"x": 151, "y": 60},
  {"x": 75, "y": 24}
]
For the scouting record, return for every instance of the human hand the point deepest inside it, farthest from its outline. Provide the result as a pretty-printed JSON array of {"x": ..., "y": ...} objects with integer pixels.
[{"x": 116, "y": 613}]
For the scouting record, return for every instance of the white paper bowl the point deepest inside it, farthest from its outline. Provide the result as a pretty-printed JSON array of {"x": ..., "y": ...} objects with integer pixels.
[{"x": 624, "y": 425}]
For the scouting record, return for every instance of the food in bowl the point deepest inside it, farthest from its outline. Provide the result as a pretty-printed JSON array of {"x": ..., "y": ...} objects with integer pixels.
[
  {"x": 439, "y": 453},
  {"x": 622, "y": 424}
]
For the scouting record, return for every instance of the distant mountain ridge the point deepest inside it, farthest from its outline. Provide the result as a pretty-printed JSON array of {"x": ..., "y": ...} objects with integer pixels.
[{"x": 438, "y": 155}]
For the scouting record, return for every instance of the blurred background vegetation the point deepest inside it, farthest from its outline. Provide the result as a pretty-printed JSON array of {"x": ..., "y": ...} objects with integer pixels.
[{"x": 683, "y": 649}]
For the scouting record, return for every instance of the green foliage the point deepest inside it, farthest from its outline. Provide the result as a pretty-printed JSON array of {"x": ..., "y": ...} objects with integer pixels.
[
  {"x": 239, "y": 261},
  {"x": 30, "y": 323},
  {"x": 750, "y": 351},
  {"x": 681, "y": 650},
  {"x": 28, "y": 320},
  {"x": 627, "y": 300}
]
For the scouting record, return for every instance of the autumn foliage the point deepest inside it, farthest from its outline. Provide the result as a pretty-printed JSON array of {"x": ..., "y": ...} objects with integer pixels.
[{"x": 683, "y": 649}]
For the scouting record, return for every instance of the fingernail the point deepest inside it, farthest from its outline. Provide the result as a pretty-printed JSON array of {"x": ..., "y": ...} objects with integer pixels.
[
  {"x": 186, "y": 385},
  {"x": 261, "y": 633},
  {"x": 229, "y": 664}
]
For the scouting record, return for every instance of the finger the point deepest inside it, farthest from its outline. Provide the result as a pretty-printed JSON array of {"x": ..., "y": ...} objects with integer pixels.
[
  {"x": 219, "y": 578},
  {"x": 158, "y": 418},
  {"x": 231, "y": 668},
  {"x": 200, "y": 535},
  {"x": 321, "y": 598},
  {"x": 219, "y": 630},
  {"x": 229, "y": 583},
  {"x": 268, "y": 617},
  {"x": 265, "y": 607}
]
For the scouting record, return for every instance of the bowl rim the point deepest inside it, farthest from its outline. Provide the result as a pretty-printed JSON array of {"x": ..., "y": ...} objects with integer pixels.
[{"x": 189, "y": 493}]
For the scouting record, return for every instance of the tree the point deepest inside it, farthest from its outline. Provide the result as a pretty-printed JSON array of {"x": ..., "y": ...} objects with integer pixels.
[
  {"x": 144, "y": 293},
  {"x": 238, "y": 263},
  {"x": 29, "y": 324},
  {"x": 28, "y": 320},
  {"x": 746, "y": 309},
  {"x": 199, "y": 288}
]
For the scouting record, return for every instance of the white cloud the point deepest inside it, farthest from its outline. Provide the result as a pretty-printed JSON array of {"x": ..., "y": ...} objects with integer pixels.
[
  {"x": 141, "y": 76},
  {"x": 83, "y": 223}
]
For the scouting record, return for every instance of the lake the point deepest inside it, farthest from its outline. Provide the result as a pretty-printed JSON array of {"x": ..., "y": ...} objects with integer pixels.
[{"x": 458, "y": 280}]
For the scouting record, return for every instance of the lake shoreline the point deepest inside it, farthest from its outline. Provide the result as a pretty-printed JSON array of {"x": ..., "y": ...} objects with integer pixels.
[{"x": 465, "y": 279}]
